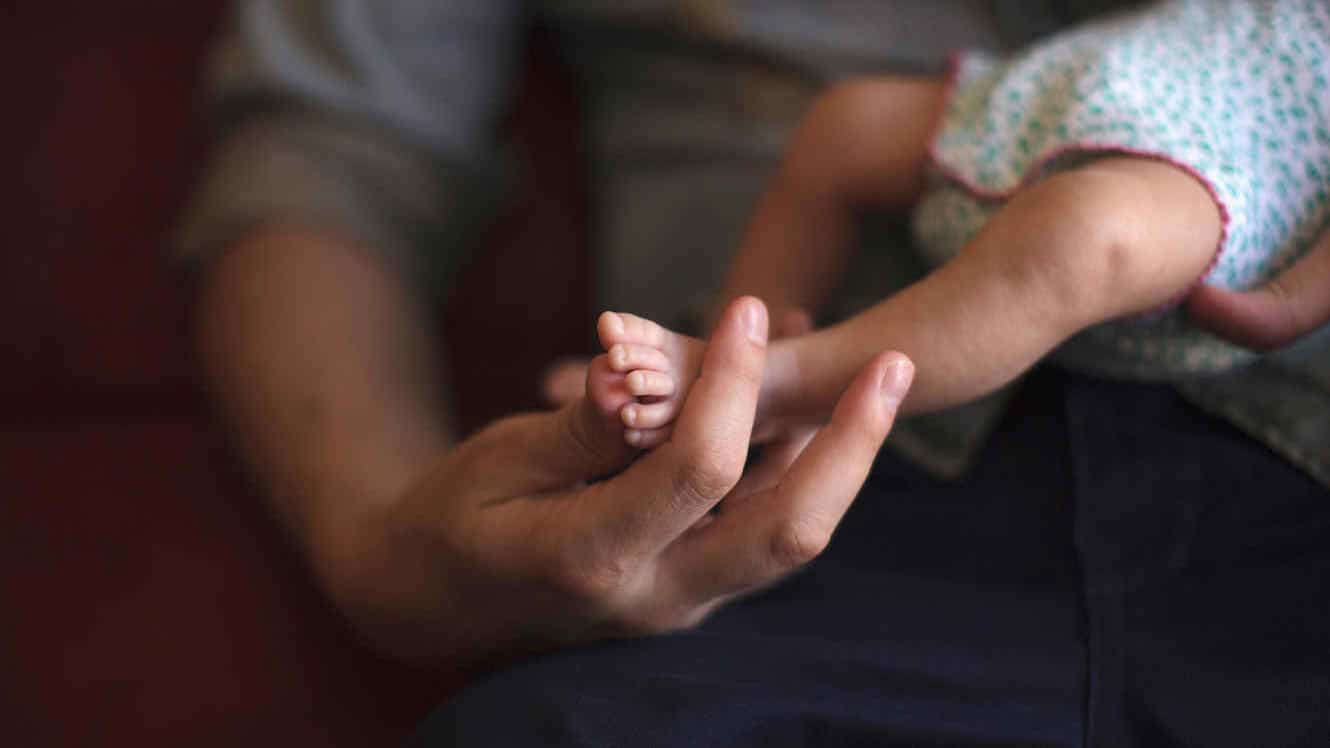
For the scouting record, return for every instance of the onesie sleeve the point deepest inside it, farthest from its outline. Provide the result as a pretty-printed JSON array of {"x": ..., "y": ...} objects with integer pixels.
[{"x": 371, "y": 119}]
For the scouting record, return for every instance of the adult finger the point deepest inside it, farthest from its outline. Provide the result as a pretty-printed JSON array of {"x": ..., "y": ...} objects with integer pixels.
[
  {"x": 1276, "y": 314},
  {"x": 777, "y": 457},
  {"x": 648, "y": 506},
  {"x": 538, "y": 452},
  {"x": 784, "y": 527}
]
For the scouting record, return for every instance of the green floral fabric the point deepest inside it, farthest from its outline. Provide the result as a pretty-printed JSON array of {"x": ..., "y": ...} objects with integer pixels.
[{"x": 1235, "y": 91}]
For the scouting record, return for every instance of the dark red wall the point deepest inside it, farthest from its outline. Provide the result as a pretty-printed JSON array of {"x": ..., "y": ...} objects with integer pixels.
[{"x": 146, "y": 599}]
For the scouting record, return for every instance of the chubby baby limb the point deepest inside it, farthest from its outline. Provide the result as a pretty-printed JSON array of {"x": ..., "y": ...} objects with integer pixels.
[
  {"x": 1115, "y": 237},
  {"x": 647, "y": 371}
]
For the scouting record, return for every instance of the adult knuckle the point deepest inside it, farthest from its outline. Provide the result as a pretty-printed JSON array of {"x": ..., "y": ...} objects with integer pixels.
[
  {"x": 590, "y": 583},
  {"x": 705, "y": 474},
  {"x": 797, "y": 541}
]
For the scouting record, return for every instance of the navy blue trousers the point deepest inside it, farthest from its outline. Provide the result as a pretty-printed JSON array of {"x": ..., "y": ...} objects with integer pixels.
[{"x": 1119, "y": 569}]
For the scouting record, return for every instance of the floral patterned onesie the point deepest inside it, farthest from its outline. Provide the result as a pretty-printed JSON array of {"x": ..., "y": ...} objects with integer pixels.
[{"x": 1235, "y": 92}]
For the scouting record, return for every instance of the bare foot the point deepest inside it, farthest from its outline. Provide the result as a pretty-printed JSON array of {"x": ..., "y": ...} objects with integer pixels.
[
  {"x": 565, "y": 381},
  {"x": 648, "y": 371}
]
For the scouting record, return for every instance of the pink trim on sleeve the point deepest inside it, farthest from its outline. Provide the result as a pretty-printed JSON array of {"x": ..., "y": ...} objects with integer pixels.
[{"x": 1039, "y": 164}]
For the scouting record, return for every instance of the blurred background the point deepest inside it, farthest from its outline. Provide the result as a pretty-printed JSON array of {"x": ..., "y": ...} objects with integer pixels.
[{"x": 146, "y": 598}]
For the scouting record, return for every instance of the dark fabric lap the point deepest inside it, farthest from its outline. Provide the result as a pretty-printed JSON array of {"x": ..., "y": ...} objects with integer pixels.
[
  {"x": 1207, "y": 575},
  {"x": 1117, "y": 565}
]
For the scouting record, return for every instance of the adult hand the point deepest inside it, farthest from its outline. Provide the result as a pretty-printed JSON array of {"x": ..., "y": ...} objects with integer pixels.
[
  {"x": 1276, "y": 314},
  {"x": 501, "y": 547}
]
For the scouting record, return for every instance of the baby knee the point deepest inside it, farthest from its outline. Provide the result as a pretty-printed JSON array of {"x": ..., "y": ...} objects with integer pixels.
[{"x": 1113, "y": 239}]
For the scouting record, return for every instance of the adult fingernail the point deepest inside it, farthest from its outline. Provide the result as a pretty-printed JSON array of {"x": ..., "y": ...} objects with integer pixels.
[
  {"x": 755, "y": 321},
  {"x": 896, "y": 379}
]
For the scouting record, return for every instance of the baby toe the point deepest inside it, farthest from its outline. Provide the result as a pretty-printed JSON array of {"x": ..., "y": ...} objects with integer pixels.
[{"x": 646, "y": 383}]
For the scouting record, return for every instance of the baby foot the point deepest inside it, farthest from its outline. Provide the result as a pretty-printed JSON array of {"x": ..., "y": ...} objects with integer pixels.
[
  {"x": 647, "y": 370},
  {"x": 564, "y": 381},
  {"x": 647, "y": 375}
]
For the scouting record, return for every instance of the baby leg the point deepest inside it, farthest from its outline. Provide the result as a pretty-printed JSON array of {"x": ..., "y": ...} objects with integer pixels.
[
  {"x": 862, "y": 145},
  {"x": 1115, "y": 237}
]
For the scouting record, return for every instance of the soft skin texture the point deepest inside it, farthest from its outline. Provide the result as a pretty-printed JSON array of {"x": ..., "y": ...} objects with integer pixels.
[
  {"x": 1277, "y": 314},
  {"x": 1114, "y": 237},
  {"x": 793, "y": 253},
  {"x": 321, "y": 363}
]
